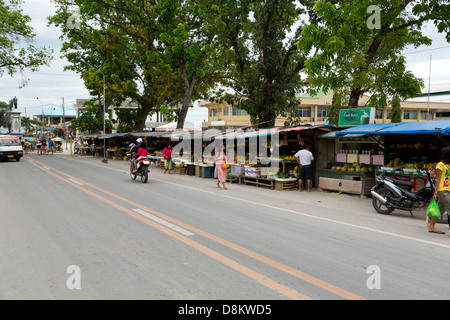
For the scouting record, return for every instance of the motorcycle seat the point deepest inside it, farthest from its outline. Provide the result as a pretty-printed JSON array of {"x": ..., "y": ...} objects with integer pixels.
[{"x": 400, "y": 183}]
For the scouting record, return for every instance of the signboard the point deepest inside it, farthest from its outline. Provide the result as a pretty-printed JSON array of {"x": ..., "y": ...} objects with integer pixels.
[{"x": 356, "y": 117}]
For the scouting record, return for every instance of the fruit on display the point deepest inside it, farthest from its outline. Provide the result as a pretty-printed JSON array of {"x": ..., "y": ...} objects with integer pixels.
[
  {"x": 354, "y": 167},
  {"x": 395, "y": 163}
]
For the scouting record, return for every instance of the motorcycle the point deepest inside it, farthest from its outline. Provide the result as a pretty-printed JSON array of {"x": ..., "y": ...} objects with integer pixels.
[
  {"x": 390, "y": 194},
  {"x": 142, "y": 169}
]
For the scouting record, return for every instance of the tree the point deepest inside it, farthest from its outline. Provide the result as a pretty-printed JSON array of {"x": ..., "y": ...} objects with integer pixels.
[
  {"x": 258, "y": 41},
  {"x": 336, "y": 105},
  {"x": 154, "y": 53},
  {"x": 14, "y": 32},
  {"x": 396, "y": 112},
  {"x": 90, "y": 118},
  {"x": 358, "y": 46},
  {"x": 5, "y": 109},
  {"x": 28, "y": 124},
  {"x": 188, "y": 32}
]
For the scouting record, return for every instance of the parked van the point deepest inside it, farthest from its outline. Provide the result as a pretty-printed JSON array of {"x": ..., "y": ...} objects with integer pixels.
[{"x": 10, "y": 147}]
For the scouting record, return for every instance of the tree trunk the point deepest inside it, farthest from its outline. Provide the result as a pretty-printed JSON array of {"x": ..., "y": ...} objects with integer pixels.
[
  {"x": 139, "y": 125},
  {"x": 354, "y": 98},
  {"x": 182, "y": 113}
]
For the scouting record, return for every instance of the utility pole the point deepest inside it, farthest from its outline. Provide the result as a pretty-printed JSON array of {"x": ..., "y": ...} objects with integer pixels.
[{"x": 64, "y": 122}]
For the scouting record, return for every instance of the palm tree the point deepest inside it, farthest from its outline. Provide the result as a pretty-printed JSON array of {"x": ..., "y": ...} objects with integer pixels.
[{"x": 28, "y": 124}]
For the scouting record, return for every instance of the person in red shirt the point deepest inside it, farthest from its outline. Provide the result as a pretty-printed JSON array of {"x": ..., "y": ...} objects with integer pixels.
[{"x": 140, "y": 154}]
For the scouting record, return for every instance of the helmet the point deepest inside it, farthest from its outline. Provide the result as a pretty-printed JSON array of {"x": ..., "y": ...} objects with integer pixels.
[{"x": 139, "y": 140}]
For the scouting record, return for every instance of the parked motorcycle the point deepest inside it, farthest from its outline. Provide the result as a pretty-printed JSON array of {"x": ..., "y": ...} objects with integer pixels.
[
  {"x": 142, "y": 169},
  {"x": 390, "y": 194}
]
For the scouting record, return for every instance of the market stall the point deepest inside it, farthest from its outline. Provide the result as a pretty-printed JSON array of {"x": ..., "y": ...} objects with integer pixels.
[
  {"x": 273, "y": 163},
  {"x": 406, "y": 147}
]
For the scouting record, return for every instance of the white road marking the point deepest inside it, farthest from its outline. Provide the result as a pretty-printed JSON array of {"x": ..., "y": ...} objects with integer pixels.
[
  {"x": 164, "y": 222},
  {"x": 75, "y": 181}
]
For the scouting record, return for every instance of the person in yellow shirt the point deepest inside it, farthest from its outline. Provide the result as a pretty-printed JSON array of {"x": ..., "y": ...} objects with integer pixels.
[{"x": 442, "y": 188}]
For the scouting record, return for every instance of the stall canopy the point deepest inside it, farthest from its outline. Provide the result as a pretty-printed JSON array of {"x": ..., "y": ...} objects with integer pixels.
[
  {"x": 109, "y": 136},
  {"x": 441, "y": 127}
]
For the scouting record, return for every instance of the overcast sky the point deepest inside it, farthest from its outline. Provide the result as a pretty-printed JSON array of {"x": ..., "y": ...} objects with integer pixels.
[{"x": 51, "y": 84}]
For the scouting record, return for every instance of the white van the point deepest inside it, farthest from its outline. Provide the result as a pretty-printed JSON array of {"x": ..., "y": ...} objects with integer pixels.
[{"x": 10, "y": 147}]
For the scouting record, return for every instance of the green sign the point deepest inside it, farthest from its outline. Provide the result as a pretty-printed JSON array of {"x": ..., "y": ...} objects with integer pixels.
[{"x": 356, "y": 117}]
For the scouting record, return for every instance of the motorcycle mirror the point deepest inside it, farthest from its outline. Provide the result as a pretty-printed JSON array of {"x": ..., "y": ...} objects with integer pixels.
[{"x": 399, "y": 167}]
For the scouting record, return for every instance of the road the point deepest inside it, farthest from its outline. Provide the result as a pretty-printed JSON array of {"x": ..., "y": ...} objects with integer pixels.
[{"x": 74, "y": 228}]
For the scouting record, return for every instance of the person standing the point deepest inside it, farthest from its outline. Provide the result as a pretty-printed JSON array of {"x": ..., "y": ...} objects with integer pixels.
[
  {"x": 44, "y": 146},
  {"x": 167, "y": 153},
  {"x": 38, "y": 146},
  {"x": 442, "y": 187},
  {"x": 304, "y": 158},
  {"x": 221, "y": 159},
  {"x": 93, "y": 149}
]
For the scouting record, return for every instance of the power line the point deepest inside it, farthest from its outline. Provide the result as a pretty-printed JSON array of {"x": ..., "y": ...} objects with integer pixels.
[{"x": 426, "y": 50}]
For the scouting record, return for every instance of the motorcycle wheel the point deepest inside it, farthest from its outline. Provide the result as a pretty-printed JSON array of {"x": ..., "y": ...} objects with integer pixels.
[
  {"x": 378, "y": 205},
  {"x": 132, "y": 175},
  {"x": 144, "y": 176}
]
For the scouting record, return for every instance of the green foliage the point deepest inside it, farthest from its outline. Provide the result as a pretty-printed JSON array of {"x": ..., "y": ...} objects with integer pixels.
[
  {"x": 5, "y": 108},
  {"x": 90, "y": 118},
  {"x": 17, "y": 53},
  {"x": 396, "y": 112},
  {"x": 352, "y": 55},
  {"x": 259, "y": 53}
]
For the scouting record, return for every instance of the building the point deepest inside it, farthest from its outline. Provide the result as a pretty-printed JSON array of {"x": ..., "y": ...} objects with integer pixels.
[
  {"x": 57, "y": 117},
  {"x": 314, "y": 110}
]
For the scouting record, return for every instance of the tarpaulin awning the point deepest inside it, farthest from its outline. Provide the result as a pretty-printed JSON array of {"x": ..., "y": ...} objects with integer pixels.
[
  {"x": 441, "y": 127},
  {"x": 373, "y": 128},
  {"x": 109, "y": 136}
]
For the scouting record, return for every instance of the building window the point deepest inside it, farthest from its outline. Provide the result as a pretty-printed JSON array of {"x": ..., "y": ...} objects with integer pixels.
[
  {"x": 409, "y": 114},
  {"x": 379, "y": 114},
  {"x": 322, "y": 112},
  {"x": 225, "y": 111},
  {"x": 239, "y": 112},
  {"x": 213, "y": 113},
  {"x": 425, "y": 115},
  {"x": 304, "y": 112}
]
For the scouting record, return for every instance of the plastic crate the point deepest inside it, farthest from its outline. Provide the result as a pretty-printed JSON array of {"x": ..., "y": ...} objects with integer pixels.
[{"x": 207, "y": 172}]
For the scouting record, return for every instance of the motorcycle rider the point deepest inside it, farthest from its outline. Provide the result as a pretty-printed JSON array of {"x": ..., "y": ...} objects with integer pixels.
[
  {"x": 141, "y": 154},
  {"x": 134, "y": 149}
]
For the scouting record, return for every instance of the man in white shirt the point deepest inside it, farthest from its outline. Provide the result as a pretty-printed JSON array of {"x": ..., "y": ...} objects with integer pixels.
[{"x": 304, "y": 158}]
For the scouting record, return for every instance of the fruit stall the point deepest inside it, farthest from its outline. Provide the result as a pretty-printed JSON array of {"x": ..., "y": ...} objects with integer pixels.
[{"x": 407, "y": 147}]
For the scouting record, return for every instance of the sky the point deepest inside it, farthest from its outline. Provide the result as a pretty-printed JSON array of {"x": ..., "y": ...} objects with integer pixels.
[{"x": 52, "y": 84}]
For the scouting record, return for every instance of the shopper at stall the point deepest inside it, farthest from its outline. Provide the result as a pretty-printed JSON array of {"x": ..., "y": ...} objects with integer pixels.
[
  {"x": 221, "y": 159},
  {"x": 304, "y": 158},
  {"x": 93, "y": 148},
  {"x": 167, "y": 153},
  {"x": 442, "y": 188}
]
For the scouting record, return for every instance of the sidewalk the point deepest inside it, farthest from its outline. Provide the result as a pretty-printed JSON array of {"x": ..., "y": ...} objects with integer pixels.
[{"x": 352, "y": 210}]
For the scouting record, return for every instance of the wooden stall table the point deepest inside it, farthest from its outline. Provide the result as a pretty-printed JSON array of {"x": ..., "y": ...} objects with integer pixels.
[{"x": 264, "y": 182}]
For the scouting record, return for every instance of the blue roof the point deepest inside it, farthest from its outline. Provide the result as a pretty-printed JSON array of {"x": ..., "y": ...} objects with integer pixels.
[
  {"x": 59, "y": 112},
  {"x": 441, "y": 127}
]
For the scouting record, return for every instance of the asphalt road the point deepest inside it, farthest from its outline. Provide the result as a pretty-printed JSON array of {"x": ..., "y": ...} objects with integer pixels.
[{"x": 78, "y": 229}]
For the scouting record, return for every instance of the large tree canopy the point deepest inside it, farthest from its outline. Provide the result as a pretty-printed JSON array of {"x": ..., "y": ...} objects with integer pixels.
[
  {"x": 155, "y": 53},
  {"x": 17, "y": 53},
  {"x": 259, "y": 53},
  {"x": 358, "y": 46}
]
